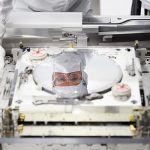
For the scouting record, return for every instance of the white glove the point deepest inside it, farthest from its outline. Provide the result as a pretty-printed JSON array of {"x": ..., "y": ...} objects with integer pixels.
[
  {"x": 146, "y": 4},
  {"x": 84, "y": 7}
]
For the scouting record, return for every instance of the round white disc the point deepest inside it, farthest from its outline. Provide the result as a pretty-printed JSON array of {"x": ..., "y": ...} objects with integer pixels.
[
  {"x": 102, "y": 72},
  {"x": 38, "y": 54}
]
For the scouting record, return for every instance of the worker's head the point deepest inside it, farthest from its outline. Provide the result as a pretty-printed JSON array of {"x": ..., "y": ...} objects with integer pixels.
[{"x": 69, "y": 78}]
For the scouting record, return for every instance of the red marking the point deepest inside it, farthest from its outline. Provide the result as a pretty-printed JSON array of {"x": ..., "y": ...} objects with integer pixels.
[
  {"x": 122, "y": 87},
  {"x": 37, "y": 52}
]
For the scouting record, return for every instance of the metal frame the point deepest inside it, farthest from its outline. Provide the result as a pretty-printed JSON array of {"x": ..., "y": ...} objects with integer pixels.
[
  {"x": 81, "y": 140},
  {"x": 74, "y": 140}
]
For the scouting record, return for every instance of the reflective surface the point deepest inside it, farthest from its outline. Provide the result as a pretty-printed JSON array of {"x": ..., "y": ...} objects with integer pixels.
[{"x": 101, "y": 71}]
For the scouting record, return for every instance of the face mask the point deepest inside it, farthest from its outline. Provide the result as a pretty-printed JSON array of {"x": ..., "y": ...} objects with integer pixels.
[
  {"x": 49, "y": 5},
  {"x": 71, "y": 91}
]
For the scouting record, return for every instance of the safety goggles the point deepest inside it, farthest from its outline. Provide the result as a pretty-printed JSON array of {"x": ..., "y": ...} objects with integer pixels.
[{"x": 67, "y": 79}]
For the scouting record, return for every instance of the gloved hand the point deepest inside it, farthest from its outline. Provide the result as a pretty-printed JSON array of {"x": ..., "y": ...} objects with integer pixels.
[{"x": 146, "y": 4}]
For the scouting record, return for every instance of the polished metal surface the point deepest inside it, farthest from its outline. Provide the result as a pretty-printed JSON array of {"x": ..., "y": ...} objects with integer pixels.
[
  {"x": 72, "y": 140},
  {"x": 113, "y": 20},
  {"x": 96, "y": 28}
]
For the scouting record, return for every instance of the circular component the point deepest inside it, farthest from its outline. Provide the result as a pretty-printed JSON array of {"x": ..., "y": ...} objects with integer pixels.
[
  {"x": 121, "y": 91},
  {"x": 38, "y": 54},
  {"x": 102, "y": 72}
]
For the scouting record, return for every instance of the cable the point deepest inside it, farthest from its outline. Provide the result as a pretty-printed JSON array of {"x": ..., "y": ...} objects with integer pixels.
[{"x": 145, "y": 12}]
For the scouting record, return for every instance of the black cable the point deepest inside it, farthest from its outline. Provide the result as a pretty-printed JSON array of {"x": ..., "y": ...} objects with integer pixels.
[
  {"x": 136, "y": 7},
  {"x": 145, "y": 12}
]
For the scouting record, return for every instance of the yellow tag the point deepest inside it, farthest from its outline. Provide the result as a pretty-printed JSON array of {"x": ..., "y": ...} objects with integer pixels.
[
  {"x": 20, "y": 128},
  {"x": 71, "y": 45},
  {"x": 132, "y": 128},
  {"x": 22, "y": 117},
  {"x": 132, "y": 118}
]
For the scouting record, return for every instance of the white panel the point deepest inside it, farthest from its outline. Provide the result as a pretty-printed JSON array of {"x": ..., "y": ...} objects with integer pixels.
[
  {"x": 45, "y": 20},
  {"x": 28, "y": 91},
  {"x": 77, "y": 131},
  {"x": 115, "y": 7}
]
